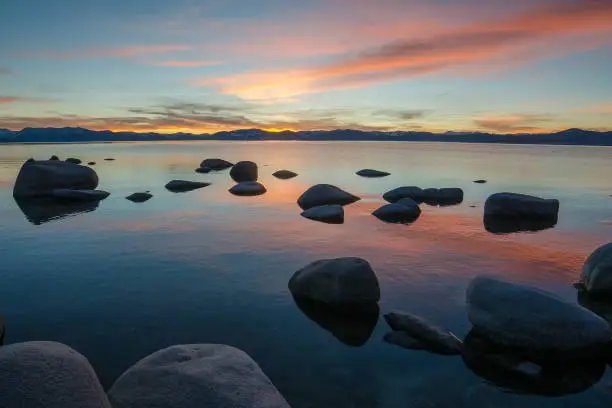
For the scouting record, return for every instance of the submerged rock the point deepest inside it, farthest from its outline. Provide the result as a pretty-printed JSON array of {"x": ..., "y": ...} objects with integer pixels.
[
  {"x": 48, "y": 375},
  {"x": 196, "y": 376},
  {"x": 244, "y": 171},
  {"x": 413, "y": 192},
  {"x": 521, "y": 205},
  {"x": 480, "y": 181},
  {"x": 40, "y": 178},
  {"x": 203, "y": 170},
  {"x": 370, "y": 173},
  {"x": 432, "y": 337},
  {"x": 343, "y": 283},
  {"x": 109, "y": 159},
  {"x": 284, "y": 174},
  {"x": 79, "y": 195},
  {"x": 443, "y": 196},
  {"x": 91, "y": 163},
  {"x": 325, "y": 194},
  {"x": 331, "y": 214},
  {"x": 139, "y": 197},
  {"x": 41, "y": 210},
  {"x": 508, "y": 225},
  {"x": 182, "y": 186},
  {"x": 397, "y": 213},
  {"x": 535, "y": 321},
  {"x": 248, "y": 188},
  {"x": 597, "y": 272},
  {"x": 215, "y": 164},
  {"x": 73, "y": 160}
]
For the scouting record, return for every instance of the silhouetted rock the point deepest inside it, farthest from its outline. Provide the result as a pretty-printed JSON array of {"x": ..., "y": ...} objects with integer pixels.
[
  {"x": 48, "y": 375},
  {"x": 480, "y": 181},
  {"x": 330, "y": 214},
  {"x": 507, "y": 225},
  {"x": 73, "y": 160},
  {"x": 434, "y": 338},
  {"x": 244, "y": 171},
  {"x": 196, "y": 376},
  {"x": 370, "y": 173},
  {"x": 91, "y": 163},
  {"x": 416, "y": 193},
  {"x": 520, "y": 205},
  {"x": 248, "y": 188},
  {"x": 443, "y": 196},
  {"x": 351, "y": 328},
  {"x": 203, "y": 170},
  {"x": 41, "y": 210},
  {"x": 508, "y": 369},
  {"x": 284, "y": 174},
  {"x": 139, "y": 197},
  {"x": 215, "y": 164},
  {"x": 342, "y": 283},
  {"x": 40, "y": 178},
  {"x": 182, "y": 186},
  {"x": 542, "y": 325},
  {"x": 79, "y": 195},
  {"x": 109, "y": 159},
  {"x": 597, "y": 272},
  {"x": 325, "y": 194},
  {"x": 54, "y": 158},
  {"x": 397, "y": 213}
]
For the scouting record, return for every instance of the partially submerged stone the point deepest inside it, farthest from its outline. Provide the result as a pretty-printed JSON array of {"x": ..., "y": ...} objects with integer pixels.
[
  {"x": 284, "y": 174},
  {"x": 331, "y": 214},
  {"x": 215, "y": 164},
  {"x": 139, "y": 197},
  {"x": 413, "y": 192},
  {"x": 182, "y": 186},
  {"x": 397, "y": 213},
  {"x": 244, "y": 171},
  {"x": 40, "y": 178},
  {"x": 371, "y": 173},
  {"x": 325, "y": 194},
  {"x": 520, "y": 205},
  {"x": 248, "y": 188},
  {"x": 73, "y": 160}
]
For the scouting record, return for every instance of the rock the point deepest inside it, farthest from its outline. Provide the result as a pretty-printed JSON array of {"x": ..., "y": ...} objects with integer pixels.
[
  {"x": 325, "y": 194},
  {"x": 480, "y": 181},
  {"x": 416, "y": 193},
  {"x": 91, "y": 163},
  {"x": 248, "y": 188},
  {"x": 79, "y": 195},
  {"x": 432, "y": 337},
  {"x": 284, "y": 174},
  {"x": 535, "y": 321},
  {"x": 54, "y": 157},
  {"x": 397, "y": 213},
  {"x": 182, "y": 186},
  {"x": 331, "y": 214},
  {"x": 408, "y": 202},
  {"x": 139, "y": 197},
  {"x": 443, "y": 196},
  {"x": 48, "y": 375},
  {"x": 41, "y": 210},
  {"x": 520, "y": 205},
  {"x": 597, "y": 272},
  {"x": 508, "y": 225},
  {"x": 244, "y": 171},
  {"x": 73, "y": 160},
  {"x": 372, "y": 173},
  {"x": 215, "y": 164},
  {"x": 109, "y": 159},
  {"x": 196, "y": 376},
  {"x": 40, "y": 178},
  {"x": 342, "y": 283},
  {"x": 203, "y": 170},
  {"x": 353, "y": 328}
]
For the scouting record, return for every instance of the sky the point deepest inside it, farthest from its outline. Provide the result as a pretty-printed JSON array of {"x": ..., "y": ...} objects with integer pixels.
[{"x": 499, "y": 66}]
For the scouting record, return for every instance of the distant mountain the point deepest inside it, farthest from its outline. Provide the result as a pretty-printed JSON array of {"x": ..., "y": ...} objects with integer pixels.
[{"x": 80, "y": 135}]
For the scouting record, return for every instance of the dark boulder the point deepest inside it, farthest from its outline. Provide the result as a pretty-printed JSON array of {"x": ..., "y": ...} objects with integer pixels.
[
  {"x": 139, "y": 197},
  {"x": 284, "y": 174},
  {"x": 480, "y": 181},
  {"x": 248, "y": 188},
  {"x": 397, "y": 213},
  {"x": 520, "y": 206},
  {"x": 40, "y": 178},
  {"x": 443, "y": 196},
  {"x": 91, "y": 163},
  {"x": 54, "y": 158},
  {"x": 244, "y": 171},
  {"x": 215, "y": 164},
  {"x": 370, "y": 173},
  {"x": 325, "y": 194},
  {"x": 74, "y": 160},
  {"x": 416, "y": 193},
  {"x": 182, "y": 186}
]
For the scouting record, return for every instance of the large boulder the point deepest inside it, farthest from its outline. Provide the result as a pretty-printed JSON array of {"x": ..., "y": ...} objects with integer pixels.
[
  {"x": 520, "y": 205},
  {"x": 40, "y": 178},
  {"x": 48, "y": 375},
  {"x": 443, "y": 196},
  {"x": 433, "y": 337},
  {"x": 325, "y": 194},
  {"x": 244, "y": 171},
  {"x": 370, "y": 173},
  {"x": 534, "y": 321},
  {"x": 79, "y": 195},
  {"x": 140, "y": 197},
  {"x": 342, "y": 283},
  {"x": 284, "y": 174},
  {"x": 330, "y": 214},
  {"x": 248, "y": 188},
  {"x": 182, "y": 186},
  {"x": 196, "y": 376},
  {"x": 416, "y": 193},
  {"x": 397, "y": 213},
  {"x": 215, "y": 164},
  {"x": 597, "y": 272}
]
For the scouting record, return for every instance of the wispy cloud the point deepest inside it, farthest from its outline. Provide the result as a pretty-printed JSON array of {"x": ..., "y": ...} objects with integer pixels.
[
  {"x": 118, "y": 52},
  {"x": 185, "y": 63},
  {"x": 519, "y": 123},
  {"x": 4, "y": 100}
]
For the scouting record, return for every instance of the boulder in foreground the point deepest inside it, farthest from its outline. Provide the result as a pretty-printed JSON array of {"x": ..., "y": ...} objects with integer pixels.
[
  {"x": 248, "y": 188},
  {"x": 79, "y": 195},
  {"x": 433, "y": 338},
  {"x": 244, "y": 171},
  {"x": 416, "y": 193},
  {"x": 520, "y": 205},
  {"x": 343, "y": 283},
  {"x": 371, "y": 173},
  {"x": 196, "y": 376},
  {"x": 215, "y": 164},
  {"x": 597, "y": 272},
  {"x": 182, "y": 186},
  {"x": 534, "y": 321},
  {"x": 443, "y": 196},
  {"x": 40, "y": 178},
  {"x": 139, "y": 197},
  {"x": 284, "y": 174},
  {"x": 331, "y": 214},
  {"x": 325, "y": 194},
  {"x": 397, "y": 213}
]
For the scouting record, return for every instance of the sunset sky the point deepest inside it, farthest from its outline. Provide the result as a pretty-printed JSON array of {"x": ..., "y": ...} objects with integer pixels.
[{"x": 203, "y": 66}]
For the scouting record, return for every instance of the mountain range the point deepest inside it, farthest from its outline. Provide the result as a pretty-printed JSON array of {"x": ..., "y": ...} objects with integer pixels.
[{"x": 81, "y": 135}]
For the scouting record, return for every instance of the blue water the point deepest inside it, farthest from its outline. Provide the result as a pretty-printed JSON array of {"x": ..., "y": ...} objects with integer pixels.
[{"x": 126, "y": 279}]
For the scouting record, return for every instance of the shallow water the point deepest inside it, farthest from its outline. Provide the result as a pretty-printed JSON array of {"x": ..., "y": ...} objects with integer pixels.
[{"x": 125, "y": 279}]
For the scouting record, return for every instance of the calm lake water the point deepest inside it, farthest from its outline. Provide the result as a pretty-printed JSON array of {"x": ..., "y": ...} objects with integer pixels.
[{"x": 126, "y": 279}]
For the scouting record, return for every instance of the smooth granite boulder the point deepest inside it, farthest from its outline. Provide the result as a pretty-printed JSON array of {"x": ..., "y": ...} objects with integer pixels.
[
  {"x": 325, "y": 194},
  {"x": 330, "y": 214},
  {"x": 139, "y": 197},
  {"x": 416, "y": 193},
  {"x": 79, "y": 195},
  {"x": 343, "y": 283},
  {"x": 196, "y": 376},
  {"x": 535, "y": 321},
  {"x": 597, "y": 272},
  {"x": 397, "y": 213},
  {"x": 370, "y": 173},
  {"x": 284, "y": 174},
  {"x": 182, "y": 186},
  {"x": 74, "y": 160},
  {"x": 520, "y": 205},
  {"x": 433, "y": 337},
  {"x": 248, "y": 188},
  {"x": 215, "y": 164},
  {"x": 443, "y": 196},
  {"x": 244, "y": 171},
  {"x": 40, "y": 178},
  {"x": 48, "y": 375}
]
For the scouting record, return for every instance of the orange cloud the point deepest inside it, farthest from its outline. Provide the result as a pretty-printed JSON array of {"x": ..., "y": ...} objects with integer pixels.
[
  {"x": 523, "y": 123},
  {"x": 185, "y": 63}
]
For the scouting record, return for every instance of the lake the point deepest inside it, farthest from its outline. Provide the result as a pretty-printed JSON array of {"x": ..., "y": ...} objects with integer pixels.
[{"x": 126, "y": 279}]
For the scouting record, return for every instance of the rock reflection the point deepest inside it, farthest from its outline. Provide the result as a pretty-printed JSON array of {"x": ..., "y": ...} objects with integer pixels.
[
  {"x": 351, "y": 328},
  {"x": 509, "y": 225},
  {"x": 507, "y": 369},
  {"x": 42, "y": 210}
]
